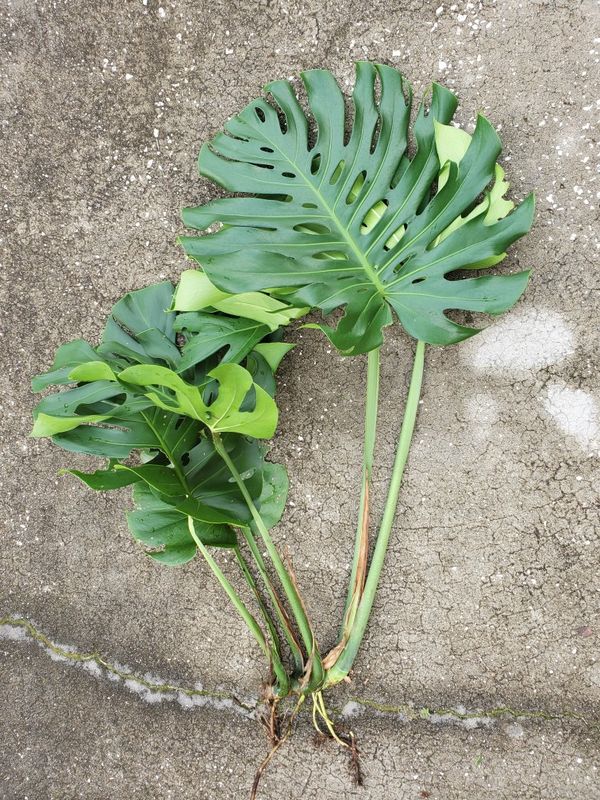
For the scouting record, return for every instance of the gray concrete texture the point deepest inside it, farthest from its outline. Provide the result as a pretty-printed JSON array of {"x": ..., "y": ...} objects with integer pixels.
[{"x": 489, "y": 597}]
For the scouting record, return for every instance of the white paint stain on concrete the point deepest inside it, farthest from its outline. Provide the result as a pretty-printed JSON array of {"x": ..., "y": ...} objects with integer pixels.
[
  {"x": 522, "y": 342},
  {"x": 482, "y": 413},
  {"x": 576, "y": 414}
]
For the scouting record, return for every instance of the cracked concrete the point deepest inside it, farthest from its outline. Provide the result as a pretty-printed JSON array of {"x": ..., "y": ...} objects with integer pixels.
[{"x": 490, "y": 594}]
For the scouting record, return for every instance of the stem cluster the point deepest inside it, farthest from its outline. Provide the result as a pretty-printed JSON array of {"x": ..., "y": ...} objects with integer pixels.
[{"x": 280, "y": 603}]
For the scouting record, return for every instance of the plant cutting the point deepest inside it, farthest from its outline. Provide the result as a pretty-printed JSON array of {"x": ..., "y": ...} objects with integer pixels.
[{"x": 338, "y": 213}]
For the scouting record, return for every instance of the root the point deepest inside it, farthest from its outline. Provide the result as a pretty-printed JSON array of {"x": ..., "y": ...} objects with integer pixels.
[
  {"x": 347, "y": 741},
  {"x": 276, "y": 739},
  {"x": 355, "y": 767},
  {"x": 273, "y": 726}
]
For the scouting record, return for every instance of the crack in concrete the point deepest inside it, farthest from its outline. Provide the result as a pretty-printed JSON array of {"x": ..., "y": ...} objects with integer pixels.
[{"x": 152, "y": 690}]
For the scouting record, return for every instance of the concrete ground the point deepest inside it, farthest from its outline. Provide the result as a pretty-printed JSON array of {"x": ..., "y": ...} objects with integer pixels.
[{"x": 489, "y": 609}]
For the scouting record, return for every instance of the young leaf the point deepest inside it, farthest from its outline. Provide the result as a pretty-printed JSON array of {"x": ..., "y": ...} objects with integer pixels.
[
  {"x": 274, "y": 352},
  {"x": 196, "y": 293},
  {"x": 169, "y": 391},
  {"x": 348, "y": 221}
]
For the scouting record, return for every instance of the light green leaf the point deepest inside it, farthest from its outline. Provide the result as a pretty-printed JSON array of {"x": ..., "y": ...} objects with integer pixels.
[
  {"x": 274, "y": 352},
  {"x": 224, "y": 413},
  {"x": 46, "y": 425},
  {"x": 498, "y": 206},
  {"x": 261, "y": 307},
  {"x": 196, "y": 292},
  {"x": 92, "y": 371},
  {"x": 452, "y": 144}
]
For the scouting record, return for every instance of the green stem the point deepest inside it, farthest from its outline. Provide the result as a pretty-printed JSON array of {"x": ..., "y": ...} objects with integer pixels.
[
  {"x": 346, "y": 659},
  {"x": 283, "y": 682},
  {"x": 371, "y": 404},
  {"x": 252, "y": 624},
  {"x": 279, "y": 610},
  {"x": 288, "y": 585}
]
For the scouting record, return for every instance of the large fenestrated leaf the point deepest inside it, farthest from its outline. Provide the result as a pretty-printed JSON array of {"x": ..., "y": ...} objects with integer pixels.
[{"x": 350, "y": 221}]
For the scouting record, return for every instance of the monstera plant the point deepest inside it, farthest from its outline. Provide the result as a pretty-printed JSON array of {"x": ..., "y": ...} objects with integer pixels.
[{"x": 341, "y": 213}]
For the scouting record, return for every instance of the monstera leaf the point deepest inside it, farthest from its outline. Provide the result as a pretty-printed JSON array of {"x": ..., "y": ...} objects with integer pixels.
[
  {"x": 139, "y": 329},
  {"x": 195, "y": 292},
  {"x": 127, "y": 402},
  {"x": 168, "y": 390},
  {"x": 353, "y": 220},
  {"x": 164, "y": 528}
]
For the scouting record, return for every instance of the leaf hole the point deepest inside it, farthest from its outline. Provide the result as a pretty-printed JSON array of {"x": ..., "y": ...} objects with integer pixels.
[
  {"x": 313, "y": 228},
  {"x": 309, "y": 205},
  {"x": 373, "y": 216},
  {"x": 267, "y": 149},
  {"x": 289, "y": 174},
  {"x": 335, "y": 175},
  {"x": 315, "y": 164},
  {"x": 375, "y": 136},
  {"x": 359, "y": 182},
  {"x": 330, "y": 255},
  {"x": 418, "y": 280},
  {"x": 394, "y": 238},
  {"x": 281, "y": 117},
  {"x": 260, "y": 113},
  {"x": 377, "y": 91}
]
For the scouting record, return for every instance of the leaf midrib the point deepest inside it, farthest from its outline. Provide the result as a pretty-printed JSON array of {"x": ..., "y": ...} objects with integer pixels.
[
  {"x": 365, "y": 265},
  {"x": 169, "y": 454}
]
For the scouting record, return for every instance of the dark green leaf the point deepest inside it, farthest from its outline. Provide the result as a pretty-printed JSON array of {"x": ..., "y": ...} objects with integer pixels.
[
  {"x": 349, "y": 221},
  {"x": 67, "y": 357},
  {"x": 211, "y": 482},
  {"x": 103, "y": 480},
  {"x": 140, "y": 328},
  {"x": 158, "y": 524},
  {"x": 274, "y": 494},
  {"x": 216, "y": 332}
]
